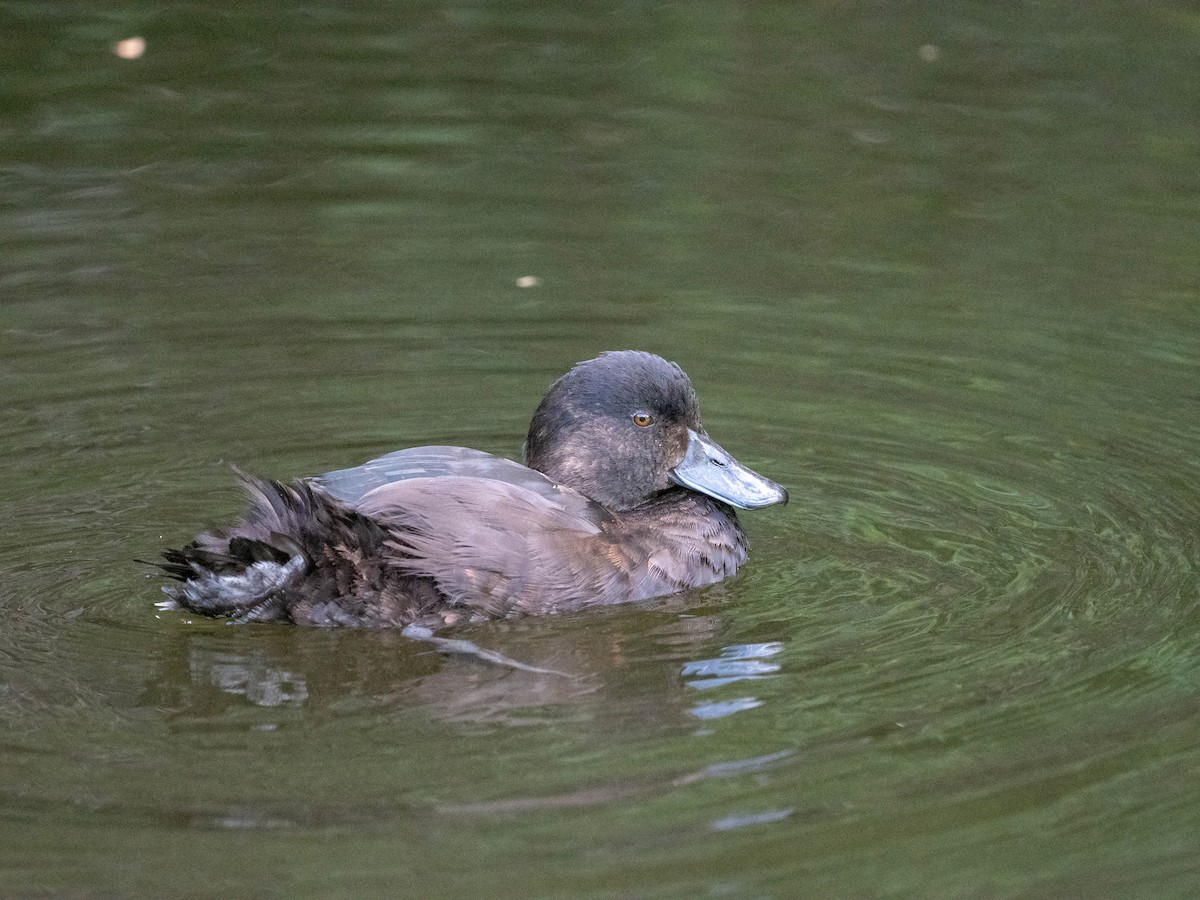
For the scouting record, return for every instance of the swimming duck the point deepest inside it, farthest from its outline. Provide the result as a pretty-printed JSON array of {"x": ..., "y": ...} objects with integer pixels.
[{"x": 623, "y": 497}]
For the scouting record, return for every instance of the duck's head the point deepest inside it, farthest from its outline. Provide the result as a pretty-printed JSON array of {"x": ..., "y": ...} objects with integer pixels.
[{"x": 625, "y": 426}]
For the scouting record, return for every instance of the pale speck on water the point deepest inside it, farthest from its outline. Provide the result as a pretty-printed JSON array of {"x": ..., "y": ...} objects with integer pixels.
[{"x": 130, "y": 48}]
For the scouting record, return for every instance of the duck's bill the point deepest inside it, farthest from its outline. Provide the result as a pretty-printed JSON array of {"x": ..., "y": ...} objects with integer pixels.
[{"x": 708, "y": 468}]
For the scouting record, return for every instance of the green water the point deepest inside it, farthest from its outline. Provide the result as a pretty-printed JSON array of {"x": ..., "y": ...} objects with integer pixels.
[{"x": 934, "y": 268}]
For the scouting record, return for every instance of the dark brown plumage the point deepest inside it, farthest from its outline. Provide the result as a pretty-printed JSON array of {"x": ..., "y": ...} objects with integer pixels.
[{"x": 624, "y": 498}]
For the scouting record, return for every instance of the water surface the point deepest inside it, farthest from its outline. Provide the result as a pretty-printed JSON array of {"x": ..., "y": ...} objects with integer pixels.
[{"x": 936, "y": 272}]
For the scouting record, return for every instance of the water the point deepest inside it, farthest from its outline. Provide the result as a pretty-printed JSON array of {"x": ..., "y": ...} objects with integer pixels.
[{"x": 934, "y": 270}]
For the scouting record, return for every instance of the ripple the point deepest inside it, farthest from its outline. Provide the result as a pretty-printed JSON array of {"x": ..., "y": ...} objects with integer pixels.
[
  {"x": 743, "y": 820},
  {"x": 970, "y": 550},
  {"x": 743, "y": 662},
  {"x": 719, "y": 709}
]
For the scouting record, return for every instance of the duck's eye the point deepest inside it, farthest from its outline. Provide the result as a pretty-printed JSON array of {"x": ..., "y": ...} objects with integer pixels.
[{"x": 643, "y": 420}]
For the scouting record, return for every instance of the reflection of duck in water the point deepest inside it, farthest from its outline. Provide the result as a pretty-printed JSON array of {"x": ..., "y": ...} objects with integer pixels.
[
  {"x": 652, "y": 666},
  {"x": 624, "y": 498}
]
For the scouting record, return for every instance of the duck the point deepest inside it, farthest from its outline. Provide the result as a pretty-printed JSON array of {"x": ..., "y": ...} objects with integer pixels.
[{"x": 622, "y": 497}]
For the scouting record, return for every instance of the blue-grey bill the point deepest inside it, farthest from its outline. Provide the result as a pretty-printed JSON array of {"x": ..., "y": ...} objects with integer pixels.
[{"x": 709, "y": 468}]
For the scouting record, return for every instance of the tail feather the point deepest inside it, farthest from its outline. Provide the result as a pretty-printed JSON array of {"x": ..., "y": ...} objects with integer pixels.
[{"x": 294, "y": 550}]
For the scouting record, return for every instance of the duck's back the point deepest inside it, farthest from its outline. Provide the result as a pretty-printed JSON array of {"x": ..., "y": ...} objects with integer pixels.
[{"x": 352, "y": 485}]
